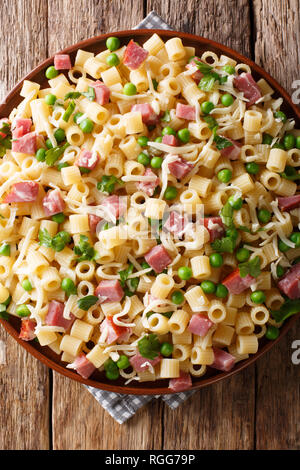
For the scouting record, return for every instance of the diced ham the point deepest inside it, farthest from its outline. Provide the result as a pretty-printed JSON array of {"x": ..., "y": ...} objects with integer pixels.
[
  {"x": 175, "y": 223},
  {"x": 223, "y": 360},
  {"x": 247, "y": 85},
  {"x": 87, "y": 159},
  {"x": 93, "y": 222},
  {"x": 53, "y": 203},
  {"x": 158, "y": 258},
  {"x": 26, "y": 191},
  {"x": 27, "y": 330},
  {"x": 233, "y": 152},
  {"x": 237, "y": 284},
  {"x": 115, "y": 332},
  {"x": 197, "y": 75},
  {"x": 186, "y": 111},
  {"x": 22, "y": 127},
  {"x": 215, "y": 227},
  {"x": 102, "y": 92},
  {"x": 116, "y": 205},
  {"x": 149, "y": 117},
  {"x": 55, "y": 316},
  {"x": 62, "y": 62},
  {"x": 141, "y": 364},
  {"x": 180, "y": 168},
  {"x": 109, "y": 291},
  {"x": 288, "y": 203},
  {"x": 82, "y": 366},
  {"x": 134, "y": 55},
  {"x": 183, "y": 382},
  {"x": 148, "y": 187},
  {"x": 199, "y": 324},
  {"x": 289, "y": 284},
  {"x": 25, "y": 144},
  {"x": 170, "y": 140}
]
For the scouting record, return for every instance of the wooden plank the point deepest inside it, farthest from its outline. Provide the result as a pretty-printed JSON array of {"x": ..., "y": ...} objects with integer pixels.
[
  {"x": 24, "y": 382},
  {"x": 277, "y": 28}
]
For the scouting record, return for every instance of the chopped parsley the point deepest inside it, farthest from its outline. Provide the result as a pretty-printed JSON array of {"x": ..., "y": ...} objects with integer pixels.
[
  {"x": 57, "y": 243},
  {"x": 84, "y": 250},
  {"x": 166, "y": 117},
  {"x": 210, "y": 121},
  {"x": 288, "y": 308},
  {"x": 107, "y": 183},
  {"x": 72, "y": 95},
  {"x": 224, "y": 245},
  {"x": 251, "y": 267},
  {"x": 87, "y": 302},
  {"x": 70, "y": 109},
  {"x": 90, "y": 94},
  {"x": 54, "y": 154},
  {"x": 149, "y": 346},
  {"x": 5, "y": 141},
  {"x": 130, "y": 284}
]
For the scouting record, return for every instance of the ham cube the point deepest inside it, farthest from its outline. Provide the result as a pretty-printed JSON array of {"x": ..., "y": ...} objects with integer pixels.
[
  {"x": 215, "y": 227},
  {"x": 158, "y": 258},
  {"x": 199, "y": 324},
  {"x": 180, "y": 168},
  {"x": 175, "y": 223},
  {"x": 134, "y": 55},
  {"x": 185, "y": 111},
  {"x": 170, "y": 140},
  {"x": 247, "y": 85},
  {"x": 27, "y": 330},
  {"x": 102, "y": 92},
  {"x": 87, "y": 159},
  {"x": 115, "y": 205},
  {"x": 26, "y": 191},
  {"x": 183, "y": 382},
  {"x": 115, "y": 332},
  {"x": 93, "y": 222},
  {"x": 82, "y": 366},
  {"x": 237, "y": 284},
  {"x": 55, "y": 316},
  {"x": 109, "y": 291},
  {"x": 233, "y": 152},
  {"x": 22, "y": 127},
  {"x": 289, "y": 284},
  {"x": 148, "y": 187},
  {"x": 288, "y": 203},
  {"x": 149, "y": 117},
  {"x": 62, "y": 62},
  {"x": 223, "y": 360},
  {"x": 141, "y": 364},
  {"x": 25, "y": 144},
  {"x": 53, "y": 203}
]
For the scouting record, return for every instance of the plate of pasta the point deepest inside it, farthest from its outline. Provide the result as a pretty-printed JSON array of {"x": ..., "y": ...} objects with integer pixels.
[{"x": 149, "y": 214}]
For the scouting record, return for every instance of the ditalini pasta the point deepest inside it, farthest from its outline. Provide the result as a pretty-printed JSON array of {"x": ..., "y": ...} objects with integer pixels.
[{"x": 149, "y": 215}]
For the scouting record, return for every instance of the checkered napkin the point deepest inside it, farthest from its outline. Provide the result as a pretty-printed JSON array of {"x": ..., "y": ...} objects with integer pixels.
[{"x": 123, "y": 407}]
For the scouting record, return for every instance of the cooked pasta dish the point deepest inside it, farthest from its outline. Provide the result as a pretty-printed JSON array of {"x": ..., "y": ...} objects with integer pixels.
[{"x": 149, "y": 215}]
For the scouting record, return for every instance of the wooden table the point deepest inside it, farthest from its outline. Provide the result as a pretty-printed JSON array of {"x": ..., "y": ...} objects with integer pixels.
[{"x": 258, "y": 408}]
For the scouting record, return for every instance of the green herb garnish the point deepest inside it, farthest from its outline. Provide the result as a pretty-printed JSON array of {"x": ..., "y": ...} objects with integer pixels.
[
  {"x": 210, "y": 121},
  {"x": 54, "y": 154},
  {"x": 57, "y": 243},
  {"x": 251, "y": 267},
  {"x": 166, "y": 117},
  {"x": 149, "y": 346},
  {"x": 90, "y": 94},
  {"x": 288, "y": 308},
  {"x": 70, "y": 109},
  {"x": 5, "y": 142},
  {"x": 84, "y": 250},
  {"x": 87, "y": 302},
  {"x": 107, "y": 183},
  {"x": 204, "y": 68},
  {"x": 224, "y": 245},
  {"x": 72, "y": 95}
]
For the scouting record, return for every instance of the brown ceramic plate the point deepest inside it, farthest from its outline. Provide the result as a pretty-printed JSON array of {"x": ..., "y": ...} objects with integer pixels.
[{"x": 96, "y": 45}]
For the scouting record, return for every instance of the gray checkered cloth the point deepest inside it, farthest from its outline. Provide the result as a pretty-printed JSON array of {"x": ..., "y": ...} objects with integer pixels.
[{"x": 122, "y": 407}]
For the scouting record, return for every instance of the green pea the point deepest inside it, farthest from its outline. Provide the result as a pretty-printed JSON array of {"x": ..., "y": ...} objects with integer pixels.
[
  {"x": 216, "y": 260},
  {"x": 166, "y": 349},
  {"x": 208, "y": 287},
  {"x": 156, "y": 162},
  {"x": 112, "y": 60},
  {"x": 22, "y": 311},
  {"x": 168, "y": 131},
  {"x": 264, "y": 216},
  {"x": 5, "y": 249},
  {"x": 280, "y": 271},
  {"x": 62, "y": 165},
  {"x": 177, "y": 297},
  {"x": 236, "y": 203},
  {"x": 295, "y": 238},
  {"x": 170, "y": 193},
  {"x": 282, "y": 246},
  {"x": 129, "y": 89},
  {"x": 112, "y": 43},
  {"x": 123, "y": 362},
  {"x": 185, "y": 273},
  {"x": 68, "y": 286},
  {"x": 221, "y": 291},
  {"x": 252, "y": 168},
  {"x": 242, "y": 254},
  {"x": 49, "y": 144},
  {"x": 159, "y": 139},
  {"x": 77, "y": 116},
  {"x": 289, "y": 141},
  {"x": 224, "y": 175},
  {"x": 60, "y": 135},
  {"x": 184, "y": 135},
  {"x": 232, "y": 233},
  {"x": 145, "y": 265},
  {"x": 50, "y": 99},
  {"x": 229, "y": 69},
  {"x": 272, "y": 332},
  {"x": 227, "y": 100},
  {"x": 112, "y": 374},
  {"x": 86, "y": 126},
  {"x": 26, "y": 284},
  {"x": 143, "y": 158},
  {"x": 143, "y": 141},
  {"x": 278, "y": 145},
  {"x": 207, "y": 107},
  {"x": 51, "y": 72},
  {"x": 280, "y": 115},
  {"x": 58, "y": 218},
  {"x": 7, "y": 301},
  {"x": 298, "y": 142},
  {"x": 258, "y": 297},
  {"x": 267, "y": 139},
  {"x": 40, "y": 155}
]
